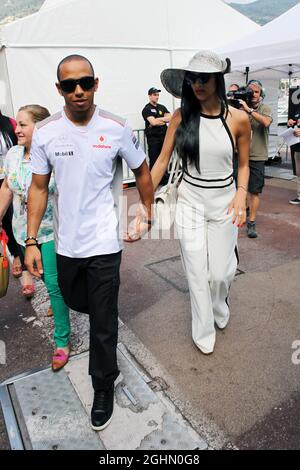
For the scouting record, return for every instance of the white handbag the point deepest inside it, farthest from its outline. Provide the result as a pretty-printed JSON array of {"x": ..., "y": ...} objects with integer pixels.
[{"x": 165, "y": 198}]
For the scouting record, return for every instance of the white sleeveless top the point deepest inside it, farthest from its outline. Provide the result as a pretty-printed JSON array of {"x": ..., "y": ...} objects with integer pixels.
[{"x": 216, "y": 154}]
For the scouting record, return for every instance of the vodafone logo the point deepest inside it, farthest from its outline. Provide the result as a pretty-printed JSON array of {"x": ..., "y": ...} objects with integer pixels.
[{"x": 101, "y": 145}]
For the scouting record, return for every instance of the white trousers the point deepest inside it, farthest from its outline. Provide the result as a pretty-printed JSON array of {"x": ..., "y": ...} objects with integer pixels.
[{"x": 208, "y": 242}]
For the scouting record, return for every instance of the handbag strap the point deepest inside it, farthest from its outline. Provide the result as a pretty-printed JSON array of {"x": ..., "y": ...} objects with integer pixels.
[{"x": 175, "y": 169}]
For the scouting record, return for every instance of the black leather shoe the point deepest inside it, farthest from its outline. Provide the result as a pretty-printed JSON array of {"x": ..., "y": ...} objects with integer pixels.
[{"x": 102, "y": 409}]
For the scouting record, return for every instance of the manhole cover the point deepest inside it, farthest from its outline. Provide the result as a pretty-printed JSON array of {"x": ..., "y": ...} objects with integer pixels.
[{"x": 171, "y": 271}]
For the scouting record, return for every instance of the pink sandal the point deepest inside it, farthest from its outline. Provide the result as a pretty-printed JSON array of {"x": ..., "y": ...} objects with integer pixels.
[
  {"x": 59, "y": 359},
  {"x": 28, "y": 291}
]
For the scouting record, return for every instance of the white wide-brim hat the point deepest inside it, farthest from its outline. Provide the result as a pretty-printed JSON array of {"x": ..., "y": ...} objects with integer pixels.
[{"x": 202, "y": 62}]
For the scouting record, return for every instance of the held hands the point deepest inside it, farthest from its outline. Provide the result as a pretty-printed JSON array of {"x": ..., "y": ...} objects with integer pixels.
[
  {"x": 238, "y": 206},
  {"x": 33, "y": 261},
  {"x": 138, "y": 227}
]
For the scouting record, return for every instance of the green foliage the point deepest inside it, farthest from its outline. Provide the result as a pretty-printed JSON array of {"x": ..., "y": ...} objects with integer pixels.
[
  {"x": 263, "y": 11},
  {"x": 18, "y": 8}
]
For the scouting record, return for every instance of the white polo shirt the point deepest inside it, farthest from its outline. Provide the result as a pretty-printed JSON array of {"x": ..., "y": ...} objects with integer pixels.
[{"x": 84, "y": 161}]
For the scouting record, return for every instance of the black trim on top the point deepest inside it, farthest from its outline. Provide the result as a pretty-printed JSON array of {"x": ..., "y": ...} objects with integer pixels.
[
  {"x": 208, "y": 187},
  {"x": 209, "y": 116},
  {"x": 210, "y": 180},
  {"x": 229, "y": 134}
]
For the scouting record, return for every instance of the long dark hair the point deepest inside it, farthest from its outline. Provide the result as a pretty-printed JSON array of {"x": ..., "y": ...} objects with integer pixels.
[
  {"x": 187, "y": 134},
  {"x": 7, "y": 131}
]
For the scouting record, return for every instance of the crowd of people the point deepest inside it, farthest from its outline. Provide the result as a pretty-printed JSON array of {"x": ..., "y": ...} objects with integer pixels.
[{"x": 60, "y": 185}]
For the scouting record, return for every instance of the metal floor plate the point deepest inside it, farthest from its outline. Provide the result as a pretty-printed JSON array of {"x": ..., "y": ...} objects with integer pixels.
[{"x": 51, "y": 411}]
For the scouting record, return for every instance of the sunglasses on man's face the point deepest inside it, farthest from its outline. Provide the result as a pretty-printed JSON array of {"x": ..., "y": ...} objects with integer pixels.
[
  {"x": 198, "y": 78},
  {"x": 69, "y": 85}
]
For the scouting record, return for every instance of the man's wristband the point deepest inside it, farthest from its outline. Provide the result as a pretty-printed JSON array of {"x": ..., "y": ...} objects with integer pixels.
[
  {"x": 31, "y": 238},
  {"x": 251, "y": 111},
  {"x": 148, "y": 221},
  {"x": 31, "y": 244}
]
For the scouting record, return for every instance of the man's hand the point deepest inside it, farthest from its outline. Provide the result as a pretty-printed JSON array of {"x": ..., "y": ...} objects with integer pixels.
[
  {"x": 291, "y": 122},
  {"x": 33, "y": 261},
  {"x": 245, "y": 106},
  {"x": 297, "y": 132}
]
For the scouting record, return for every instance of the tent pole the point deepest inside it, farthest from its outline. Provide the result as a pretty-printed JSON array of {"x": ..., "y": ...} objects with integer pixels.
[
  {"x": 290, "y": 75},
  {"x": 247, "y": 69}
]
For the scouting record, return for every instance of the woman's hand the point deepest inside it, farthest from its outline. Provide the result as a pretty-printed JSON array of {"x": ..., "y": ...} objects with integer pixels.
[
  {"x": 238, "y": 206},
  {"x": 33, "y": 261},
  {"x": 138, "y": 227}
]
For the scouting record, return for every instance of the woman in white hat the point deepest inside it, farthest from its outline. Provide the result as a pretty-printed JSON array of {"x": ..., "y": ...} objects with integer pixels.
[{"x": 205, "y": 132}]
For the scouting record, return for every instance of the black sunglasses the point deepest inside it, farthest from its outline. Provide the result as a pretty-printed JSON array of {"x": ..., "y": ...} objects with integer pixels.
[
  {"x": 199, "y": 78},
  {"x": 69, "y": 85}
]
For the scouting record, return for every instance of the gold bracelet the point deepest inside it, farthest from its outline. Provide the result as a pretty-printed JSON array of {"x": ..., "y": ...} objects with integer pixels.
[{"x": 243, "y": 188}]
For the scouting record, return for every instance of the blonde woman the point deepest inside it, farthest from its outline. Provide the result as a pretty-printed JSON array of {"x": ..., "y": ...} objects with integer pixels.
[{"x": 15, "y": 188}]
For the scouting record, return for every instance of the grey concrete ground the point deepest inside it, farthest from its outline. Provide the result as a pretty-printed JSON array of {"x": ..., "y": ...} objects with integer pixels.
[
  {"x": 247, "y": 394},
  {"x": 250, "y": 379}
]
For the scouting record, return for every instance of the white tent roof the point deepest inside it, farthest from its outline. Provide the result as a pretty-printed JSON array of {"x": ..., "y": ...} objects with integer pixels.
[
  {"x": 128, "y": 24},
  {"x": 271, "y": 49},
  {"x": 51, "y": 4}
]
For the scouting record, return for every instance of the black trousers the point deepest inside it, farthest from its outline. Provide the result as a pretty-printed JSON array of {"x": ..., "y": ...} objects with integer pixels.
[
  {"x": 7, "y": 225},
  {"x": 154, "y": 149},
  {"x": 91, "y": 285}
]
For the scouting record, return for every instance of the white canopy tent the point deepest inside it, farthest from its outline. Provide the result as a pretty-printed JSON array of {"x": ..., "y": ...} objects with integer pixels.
[
  {"x": 129, "y": 43},
  {"x": 269, "y": 54},
  {"x": 273, "y": 52}
]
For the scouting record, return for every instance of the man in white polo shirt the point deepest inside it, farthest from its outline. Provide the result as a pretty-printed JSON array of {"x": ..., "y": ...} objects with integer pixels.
[{"x": 82, "y": 145}]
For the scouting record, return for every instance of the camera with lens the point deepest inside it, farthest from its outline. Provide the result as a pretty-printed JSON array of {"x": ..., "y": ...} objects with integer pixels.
[{"x": 243, "y": 93}]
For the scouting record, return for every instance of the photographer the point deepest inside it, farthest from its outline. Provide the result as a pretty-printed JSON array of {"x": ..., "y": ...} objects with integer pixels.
[
  {"x": 232, "y": 90},
  {"x": 294, "y": 121},
  {"x": 260, "y": 116}
]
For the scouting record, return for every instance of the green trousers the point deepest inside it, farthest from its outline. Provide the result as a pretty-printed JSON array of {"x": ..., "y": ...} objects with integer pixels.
[{"x": 60, "y": 310}]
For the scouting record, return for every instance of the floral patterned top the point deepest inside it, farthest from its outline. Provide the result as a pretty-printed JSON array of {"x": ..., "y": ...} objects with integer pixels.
[
  {"x": 18, "y": 174},
  {"x": 3, "y": 152}
]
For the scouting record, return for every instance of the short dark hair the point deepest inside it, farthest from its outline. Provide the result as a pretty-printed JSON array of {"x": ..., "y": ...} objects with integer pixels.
[{"x": 69, "y": 58}]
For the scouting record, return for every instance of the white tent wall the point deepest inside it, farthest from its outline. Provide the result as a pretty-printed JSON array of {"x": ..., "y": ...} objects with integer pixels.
[
  {"x": 92, "y": 22},
  {"x": 6, "y": 105},
  {"x": 114, "y": 35},
  {"x": 48, "y": 4},
  {"x": 121, "y": 74},
  {"x": 194, "y": 24}
]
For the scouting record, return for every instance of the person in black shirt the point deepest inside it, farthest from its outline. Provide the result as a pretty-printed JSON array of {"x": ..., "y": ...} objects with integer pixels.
[
  {"x": 294, "y": 121},
  {"x": 156, "y": 118}
]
